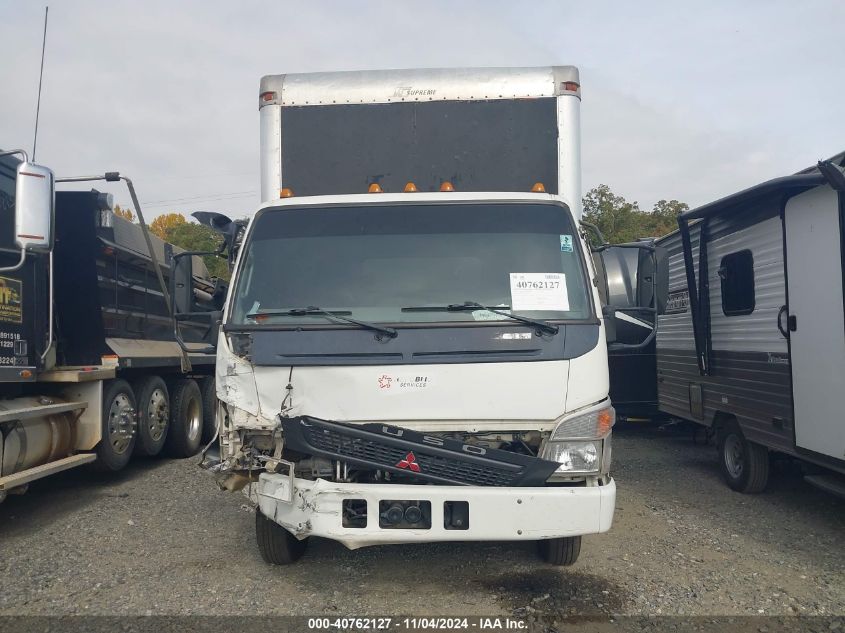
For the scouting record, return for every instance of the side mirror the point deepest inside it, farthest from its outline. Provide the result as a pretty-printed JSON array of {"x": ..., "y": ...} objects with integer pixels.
[
  {"x": 182, "y": 283},
  {"x": 225, "y": 227},
  {"x": 34, "y": 204}
]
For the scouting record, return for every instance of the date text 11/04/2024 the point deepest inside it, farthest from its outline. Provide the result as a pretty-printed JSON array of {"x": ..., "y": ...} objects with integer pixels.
[{"x": 417, "y": 623}]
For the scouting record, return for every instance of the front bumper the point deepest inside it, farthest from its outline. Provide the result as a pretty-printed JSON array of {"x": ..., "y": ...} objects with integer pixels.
[{"x": 314, "y": 508}]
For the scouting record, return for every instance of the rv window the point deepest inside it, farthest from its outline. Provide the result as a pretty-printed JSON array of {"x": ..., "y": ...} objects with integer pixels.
[{"x": 737, "y": 276}]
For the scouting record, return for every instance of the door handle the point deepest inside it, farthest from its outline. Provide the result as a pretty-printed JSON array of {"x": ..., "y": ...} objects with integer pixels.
[
  {"x": 792, "y": 323},
  {"x": 783, "y": 331}
]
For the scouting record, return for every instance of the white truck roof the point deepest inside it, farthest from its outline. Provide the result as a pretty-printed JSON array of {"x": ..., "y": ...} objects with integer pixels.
[
  {"x": 420, "y": 84},
  {"x": 411, "y": 198}
]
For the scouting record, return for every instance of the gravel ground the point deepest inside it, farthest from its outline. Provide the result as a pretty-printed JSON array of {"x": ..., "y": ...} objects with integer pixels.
[{"x": 160, "y": 539}]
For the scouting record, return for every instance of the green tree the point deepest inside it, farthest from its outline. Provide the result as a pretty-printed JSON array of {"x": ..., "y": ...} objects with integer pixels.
[
  {"x": 198, "y": 237},
  {"x": 616, "y": 218},
  {"x": 664, "y": 216},
  {"x": 622, "y": 221}
]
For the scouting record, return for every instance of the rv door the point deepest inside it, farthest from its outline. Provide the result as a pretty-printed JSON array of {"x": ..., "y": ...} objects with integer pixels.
[{"x": 815, "y": 321}]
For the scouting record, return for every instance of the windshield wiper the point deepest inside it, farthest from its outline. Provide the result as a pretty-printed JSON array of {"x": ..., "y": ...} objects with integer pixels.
[
  {"x": 473, "y": 305},
  {"x": 339, "y": 316}
]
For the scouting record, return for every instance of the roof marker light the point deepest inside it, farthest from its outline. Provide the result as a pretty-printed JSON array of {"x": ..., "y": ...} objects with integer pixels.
[
  {"x": 410, "y": 187},
  {"x": 268, "y": 96},
  {"x": 446, "y": 186},
  {"x": 538, "y": 188},
  {"x": 375, "y": 188},
  {"x": 286, "y": 193},
  {"x": 570, "y": 86}
]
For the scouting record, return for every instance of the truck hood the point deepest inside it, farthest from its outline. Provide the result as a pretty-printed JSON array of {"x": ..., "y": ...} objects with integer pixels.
[{"x": 438, "y": 397}]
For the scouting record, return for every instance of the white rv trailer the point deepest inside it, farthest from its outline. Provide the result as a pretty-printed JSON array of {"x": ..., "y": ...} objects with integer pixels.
[
  {"x": 426, "y": 362},
  {"x": 752, "y": 343}
]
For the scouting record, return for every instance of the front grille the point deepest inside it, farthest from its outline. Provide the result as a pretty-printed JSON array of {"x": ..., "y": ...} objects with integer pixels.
[
  {"x": 436, "y": 459},
  {"x": 375, "y": 452}
]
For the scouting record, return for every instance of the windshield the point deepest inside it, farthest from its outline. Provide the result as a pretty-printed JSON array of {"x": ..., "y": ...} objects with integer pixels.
[{"x": 407, "y": 263}]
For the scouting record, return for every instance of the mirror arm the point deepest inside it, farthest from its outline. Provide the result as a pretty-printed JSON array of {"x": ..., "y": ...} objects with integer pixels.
[
  {"x": 642, "y": 344},
  {"x": 20, "y": 152},
  {"x": 18, "y": 266},
  {"x": 209, "y": 349}
]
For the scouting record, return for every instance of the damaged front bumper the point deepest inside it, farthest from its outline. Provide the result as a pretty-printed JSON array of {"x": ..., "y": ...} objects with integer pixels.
[{"x": 315, "y": 508}]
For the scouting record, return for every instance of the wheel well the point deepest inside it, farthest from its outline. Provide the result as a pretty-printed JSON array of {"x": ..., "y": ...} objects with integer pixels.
[{"x": 723, "y": 421}]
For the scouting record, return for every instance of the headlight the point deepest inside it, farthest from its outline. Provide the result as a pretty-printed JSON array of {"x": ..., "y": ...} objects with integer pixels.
[
  {"x": 574, "y": 457},
  {"x": 581, "y": 444}
]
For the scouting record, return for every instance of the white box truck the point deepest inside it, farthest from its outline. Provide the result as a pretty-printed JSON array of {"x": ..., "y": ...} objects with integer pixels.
[{"x": 413, "y": 347}]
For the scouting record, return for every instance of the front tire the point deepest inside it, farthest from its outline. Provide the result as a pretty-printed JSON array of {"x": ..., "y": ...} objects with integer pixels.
[
  {"x": 153, "y": 415},
  {"x": 276, "y": 545},
  {"x": 744, "y": 464},
  {"x": 562, "y": 551},
  {"x": 183, "y": 438},
  {"x": 118, "y": 426}
]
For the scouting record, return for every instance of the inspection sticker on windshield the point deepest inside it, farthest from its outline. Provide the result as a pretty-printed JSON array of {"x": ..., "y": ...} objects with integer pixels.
[{"x": 539, "y": 291}]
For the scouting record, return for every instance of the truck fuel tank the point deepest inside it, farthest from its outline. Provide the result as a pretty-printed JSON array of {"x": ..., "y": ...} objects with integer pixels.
[{"x": 34, "y": 440}]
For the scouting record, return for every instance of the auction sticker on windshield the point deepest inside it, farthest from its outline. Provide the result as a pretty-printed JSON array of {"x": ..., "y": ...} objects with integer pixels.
[{"x": 539, "y": 291}]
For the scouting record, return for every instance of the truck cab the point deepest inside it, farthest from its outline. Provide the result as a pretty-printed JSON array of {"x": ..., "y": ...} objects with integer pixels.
[{"x": 423, "y": 359}]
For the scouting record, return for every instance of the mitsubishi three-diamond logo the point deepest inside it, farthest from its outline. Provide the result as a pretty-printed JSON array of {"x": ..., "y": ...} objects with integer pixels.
[{"x": 410, "y": 462}]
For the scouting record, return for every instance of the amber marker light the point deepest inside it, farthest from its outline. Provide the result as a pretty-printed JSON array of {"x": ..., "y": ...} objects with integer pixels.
[
  {"x": 410, "y": 187},
  {"x": 447, "y": 186},
  {"x": 538, "y": 188},
  {"x": 286, "y": 193},
  {"x": 375, "y": 188},
  {"x": 604, "y": 422}
]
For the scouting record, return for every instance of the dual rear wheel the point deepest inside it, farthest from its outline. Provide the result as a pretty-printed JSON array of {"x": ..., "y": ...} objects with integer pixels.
[{"x": 150, "y": 416}]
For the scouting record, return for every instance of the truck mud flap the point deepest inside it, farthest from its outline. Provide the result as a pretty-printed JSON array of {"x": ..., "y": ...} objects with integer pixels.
[{"x": 422, "y": 457}]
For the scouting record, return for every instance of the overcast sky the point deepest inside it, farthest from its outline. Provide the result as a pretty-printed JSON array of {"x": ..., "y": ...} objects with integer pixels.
[{"x": 677, "y": 103}]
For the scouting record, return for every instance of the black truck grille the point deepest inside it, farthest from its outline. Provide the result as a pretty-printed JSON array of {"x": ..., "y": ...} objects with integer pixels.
[
  {"x": 378, "y": 447},
  {"x": 377, "y": 453}
]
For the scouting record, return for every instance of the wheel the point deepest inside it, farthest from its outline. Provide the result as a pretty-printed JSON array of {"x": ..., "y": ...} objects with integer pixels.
[
  {"x": 183, "y": 438},
  {"x": 560, "y": 551},
  {"x": 276, "y": 544},
  {"x": 118, "y": 425},
  {"x": 744, "y": 464},
  {"x": 153, "y": 415},
  {"x": 209, "y": 409}
]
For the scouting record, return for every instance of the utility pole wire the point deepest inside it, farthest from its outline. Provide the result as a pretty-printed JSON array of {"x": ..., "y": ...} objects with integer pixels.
[{"x": 40, "y": 78}]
